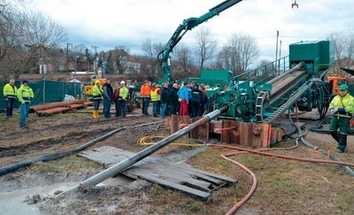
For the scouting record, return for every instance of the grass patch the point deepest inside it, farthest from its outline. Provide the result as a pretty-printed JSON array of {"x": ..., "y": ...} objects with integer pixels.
[
  {"x": 68, "y": 164},
  {"x": 284, "y": 187}
]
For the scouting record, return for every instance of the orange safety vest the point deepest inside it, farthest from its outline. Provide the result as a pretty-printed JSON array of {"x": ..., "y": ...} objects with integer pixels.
[{"x": 145, "y": 90}]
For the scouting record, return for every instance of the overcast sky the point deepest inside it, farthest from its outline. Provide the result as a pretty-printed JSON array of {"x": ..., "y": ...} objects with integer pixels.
[{"x": 110, "y": 23}]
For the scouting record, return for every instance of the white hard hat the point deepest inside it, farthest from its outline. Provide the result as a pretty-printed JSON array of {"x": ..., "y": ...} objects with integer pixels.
[{"x": 122, "y": 82}]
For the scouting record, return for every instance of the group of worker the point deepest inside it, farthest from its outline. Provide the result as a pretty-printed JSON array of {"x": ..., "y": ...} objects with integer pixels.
[
  {"x": 119, "y": 96},
  {"x": 23, "y": 95},
  {"x": 171, "y": 99},
  {"x": 187, "y": 99}
]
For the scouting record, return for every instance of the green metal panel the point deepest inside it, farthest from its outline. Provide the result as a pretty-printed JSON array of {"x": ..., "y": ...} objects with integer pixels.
[
  {"x": 215, "y": 77},
  {"x": 317, "y": 55},
  {"x": 53, "y": 91}
]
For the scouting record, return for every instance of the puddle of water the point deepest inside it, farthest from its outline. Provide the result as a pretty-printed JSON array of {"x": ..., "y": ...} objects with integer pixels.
[{"x": 12, "y": 203}]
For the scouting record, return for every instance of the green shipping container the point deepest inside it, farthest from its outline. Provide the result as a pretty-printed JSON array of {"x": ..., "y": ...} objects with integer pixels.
[{"x": 317, "y": 55}]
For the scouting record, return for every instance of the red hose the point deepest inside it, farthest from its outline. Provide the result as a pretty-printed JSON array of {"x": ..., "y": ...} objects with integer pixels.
[
  {"x": 241, "y": 150},
  {"x": 234, "y": 208},
  {"x": 284, "y": 157}
]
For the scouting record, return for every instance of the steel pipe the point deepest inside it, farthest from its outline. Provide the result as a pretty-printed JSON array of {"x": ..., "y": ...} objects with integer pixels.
[
  {"x": 294, "y": 69},
  {"x": 125, "y": 164}
]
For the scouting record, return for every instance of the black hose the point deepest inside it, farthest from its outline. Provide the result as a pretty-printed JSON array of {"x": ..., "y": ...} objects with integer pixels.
[
  {"x": 57, "y": 155},
  {"x": 332, "y": 157}
]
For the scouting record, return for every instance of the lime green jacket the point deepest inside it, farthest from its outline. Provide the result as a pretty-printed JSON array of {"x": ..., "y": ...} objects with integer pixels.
[
  {"x": 9, "y": 90},
  {"x": 25, "y": 94},
  {"x": 346, "y": 102},
  {"x": 97, "y": 91},
  {"x": 124, "y": 93}
]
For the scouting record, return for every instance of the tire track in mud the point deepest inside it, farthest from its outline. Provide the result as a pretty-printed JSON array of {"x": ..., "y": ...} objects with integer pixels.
[
  {"x": 81, "y": 123},
  {"x": 69, "y": 138}
]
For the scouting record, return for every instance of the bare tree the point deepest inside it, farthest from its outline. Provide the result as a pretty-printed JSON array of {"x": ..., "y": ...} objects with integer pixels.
[
  {"x": 238, "y": 53},
  {"x": 151, "y": 50},
  {"x": 338, "y": 42},
  {"x": 343, "y": 44},
  {"x": 205, "y": 46},
  {"x": 148, "y": 48},
  {"x": 183, "y": 57},
  {"x": 25, "y": 37}
]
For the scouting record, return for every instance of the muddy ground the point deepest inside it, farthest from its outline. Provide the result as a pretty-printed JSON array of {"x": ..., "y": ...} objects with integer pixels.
[{"x": 284, "y": 187}]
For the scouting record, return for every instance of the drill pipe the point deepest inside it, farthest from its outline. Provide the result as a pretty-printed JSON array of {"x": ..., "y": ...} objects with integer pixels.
[
  {"x": 125, "y": 164},
  {"x": 294, "y": 69}
]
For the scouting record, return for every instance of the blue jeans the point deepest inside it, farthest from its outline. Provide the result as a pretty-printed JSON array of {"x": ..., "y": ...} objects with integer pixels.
[
  {"x": 96, "y": 104},
  {"x": 163, "y": 110},
  {"x": 122, "y": 108},
  {"x": 155, "y": 108},
  {"x": 24, "y": 110},
  {"x": 107, "y": 108},
  {"x": 146, "y": 102},
  {"x": 10, "y": 106}
]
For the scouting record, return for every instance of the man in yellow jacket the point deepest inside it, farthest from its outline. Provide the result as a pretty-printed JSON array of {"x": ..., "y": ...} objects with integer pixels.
[
  {"x": 10, "y": 95},
  {"x": 123, "y": 99},
  {"x": 155, "y": 99},
  {"x": 24, "y": 96},
  {"x": 342, "y": 108},
  {"x": 97, "y": 93}
]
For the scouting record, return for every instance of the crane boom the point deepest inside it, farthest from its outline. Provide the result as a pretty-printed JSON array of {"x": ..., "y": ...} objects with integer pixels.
[{"x": 182, "y": 29}]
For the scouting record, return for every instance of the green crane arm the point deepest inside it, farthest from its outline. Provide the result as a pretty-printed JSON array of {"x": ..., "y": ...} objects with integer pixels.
[{"x": 187, "y": 25}]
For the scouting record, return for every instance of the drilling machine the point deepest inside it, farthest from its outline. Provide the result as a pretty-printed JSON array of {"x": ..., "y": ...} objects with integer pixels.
[{"x": 260, "y": 98}]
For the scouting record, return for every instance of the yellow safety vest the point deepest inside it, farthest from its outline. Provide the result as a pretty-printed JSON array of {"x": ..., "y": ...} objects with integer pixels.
[
  {"x": 97, "y": 91},
  {"x": 25, "y": 94},
  {"x": 346, "y": 102},
  {"x": 124, "y": 93},
  {"x": 155, "y": 96},
  {"x": 9, "y": 90}
]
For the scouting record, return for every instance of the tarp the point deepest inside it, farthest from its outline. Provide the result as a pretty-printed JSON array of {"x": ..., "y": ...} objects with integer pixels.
[{"x": 46, "y": 91}]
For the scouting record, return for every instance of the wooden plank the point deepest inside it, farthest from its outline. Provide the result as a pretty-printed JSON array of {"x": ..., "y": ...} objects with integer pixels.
[
  {"x": 158, "y": 170},
  {"x": 201, "y": 194},
  {"x": 216, "y": 176}
]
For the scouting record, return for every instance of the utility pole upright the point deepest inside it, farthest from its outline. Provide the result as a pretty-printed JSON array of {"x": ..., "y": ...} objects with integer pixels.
[{"x": 276, "y": 53}]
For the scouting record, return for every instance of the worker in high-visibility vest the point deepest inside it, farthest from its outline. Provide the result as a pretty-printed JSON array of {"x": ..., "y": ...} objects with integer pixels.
[
  {"x": 24, "y": 96},
  {"x": 10, "y": 94},
  {"x": 155, "y": 99},
  {"x": 123, "y": 99},
  {"x": 145, "y": 91},
  {"x": 97, "y": 93},
  {"x": 342, "y": 108}
]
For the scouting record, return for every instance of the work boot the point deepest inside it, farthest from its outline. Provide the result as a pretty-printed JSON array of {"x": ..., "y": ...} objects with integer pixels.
[
  {"x": 342, "y": 143},
  {"x": 335, "y": 135}
]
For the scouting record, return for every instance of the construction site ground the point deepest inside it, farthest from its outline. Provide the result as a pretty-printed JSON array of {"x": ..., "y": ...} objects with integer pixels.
[{"x": 284, "y": 187}]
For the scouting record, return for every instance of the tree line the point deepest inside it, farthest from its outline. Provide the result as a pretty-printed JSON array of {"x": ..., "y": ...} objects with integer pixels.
[{"x": 27, "y": 37}]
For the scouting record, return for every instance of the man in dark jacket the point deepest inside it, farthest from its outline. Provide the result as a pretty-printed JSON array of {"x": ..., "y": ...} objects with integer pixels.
[
  {"x": 173, "y": 102},
  {"x": 107, "y": 99},
  {"x": 165, "y": 97},
  {"x": 204, "y": 100},
  {"x": 115, "y": 99},
  {"x": 195, "y": 102}
]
